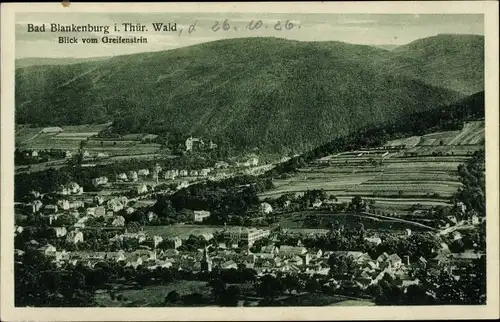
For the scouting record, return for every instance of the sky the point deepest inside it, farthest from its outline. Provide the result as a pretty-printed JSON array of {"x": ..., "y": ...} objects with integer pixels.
[{"x": 367, "y": 29}]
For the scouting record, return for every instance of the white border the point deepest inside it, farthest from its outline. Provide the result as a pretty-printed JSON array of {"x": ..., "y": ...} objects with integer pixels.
[{"x": 491, "y": 310}]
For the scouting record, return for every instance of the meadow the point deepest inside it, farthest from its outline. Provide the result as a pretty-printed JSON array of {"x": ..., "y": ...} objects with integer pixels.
[
  {"x": 395, "y": 180},
  {"x": 153, "y": 294}
]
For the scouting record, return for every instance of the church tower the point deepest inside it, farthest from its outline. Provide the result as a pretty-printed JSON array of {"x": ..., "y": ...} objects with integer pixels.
[{"x": 206, "y": 262}]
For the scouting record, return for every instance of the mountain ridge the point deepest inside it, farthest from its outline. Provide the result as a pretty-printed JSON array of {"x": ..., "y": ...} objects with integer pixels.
[{"x": 250, "y": 92}]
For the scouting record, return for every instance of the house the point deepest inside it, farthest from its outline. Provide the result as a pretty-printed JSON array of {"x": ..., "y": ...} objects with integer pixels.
[
  {"x": 34, "y": 153},
  {"x": 285, "y": 250},
  {"x": 151, "y": 216},
  {"x": 228, "y": 265},
  {"x": 374, "y": 240},
  {"x": 18, "y": 230},
  {"x": 316, "y": 204},
  {"x": 147, "y": 255},
  {"x": 141, "y": 237},
  {"x": 183, "y": 173},
  {"x": 193, "y": 143},
  {"x": 452, "y": 218},
  {"x": 53, "y": 217},
  {"x": 118, "y": 256},
  {"x": 74, "y": 188},
  {"x": 457, "y": 235},
  {"x": 60, "y": 231},
  {"x": 221, "y": 165},
  {"x": 99, "y": 181},
  {"x": 266, "y": 208},
  {"x": 212, "y": 145},
  {"x": 102, "y": 155},
  {"x": 91, "y": 211},
  {"x": 134, "y": 261},
  {"x": 63, "y": 204},
  {"x": 74, "y": 237},
  {"x": 129, "y": 210},
  {"x": 204, "y": 172},
  {"x": 247, "y": 259},
  {"x": 119, "y": 221},
  {"x": 76, "y": 204},
  {"x": 141, "y": 189},
  {"x": 115, "y": 204},
  {"x": 193, "y": 173},
  {"x": 175, "y": 242},
  {"x": 81, "y": 222},
  {"x": 75, "y": 213},
  {"x": 68, "y": 154},
  {"x": 157, "y": 240},
  {"x": 50, "y": 209},
  {"x": 170, "y": 253},
  {"x": 421, "y": 263},
  {"x": 143, "y": 172},
  {"x": 382, "y": 258},
  {"x": 362, "y": 259},
  {"x": 52, "y": 129},
  {"x": 353, "y": 255},
  {"x": 200, "y": 215},
  {"x": 475, "y": 220},
  {"x": 132, "y": 176},
  {"x": 207, "y": 236},
  {"x": 161, "y": 263},
  {"x": 35, "y": 194},
  {"x": 122, "y": 177},
  {"x": 170, "y": 175},
  {"x": 364, "y": 279},
  {"x": 62, "y": 255},
  {"x": 269, "y": 249},
  {"x": 461, "y": 207},
  {"x": 466, "y": 256},
  {"x": 394, "y": 261},
  {"x": 48, "y": 250},
  {"x": 35, "y": 206},
  {"x": 407, "y": 283}
]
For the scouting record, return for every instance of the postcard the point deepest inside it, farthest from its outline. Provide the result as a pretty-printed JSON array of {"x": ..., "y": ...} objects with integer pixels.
[{"x": 249, "y": 161}]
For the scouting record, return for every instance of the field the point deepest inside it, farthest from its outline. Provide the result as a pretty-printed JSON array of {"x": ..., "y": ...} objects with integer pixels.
[
  {"x": 319, "y": 299},
  {"x": 71, "y": 136},
  {"x": 395, "y": 180},
  {"x": 146, "y": 296}
]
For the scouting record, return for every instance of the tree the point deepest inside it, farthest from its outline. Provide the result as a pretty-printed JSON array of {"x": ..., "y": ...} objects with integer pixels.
[
  {"x": 416, "y": 295},
  {"x": 218, "y": 287},
  {"x": 230, "y": 296},
  {"x": 312, "y": 286},
  {"x": 270, "y": 286},
  {"x": 172, "y": 297},
  {"x": 357, "y": 203},
  {"x": 38, "y": 282}
]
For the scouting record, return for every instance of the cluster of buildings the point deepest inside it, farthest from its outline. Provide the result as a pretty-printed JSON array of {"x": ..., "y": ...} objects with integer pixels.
[
  {"x": 173, "y": 174},
  {"x": 194, "y": 144}
]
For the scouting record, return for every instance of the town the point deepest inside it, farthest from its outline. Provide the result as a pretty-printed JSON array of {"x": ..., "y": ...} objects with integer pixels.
[{"x": 207, "y": 231}]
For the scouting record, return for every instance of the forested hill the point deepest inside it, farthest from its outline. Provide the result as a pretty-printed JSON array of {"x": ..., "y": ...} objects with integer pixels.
[
  {"x": 450, "y": 61},
  {"x": 254, "y": 92}
]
